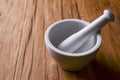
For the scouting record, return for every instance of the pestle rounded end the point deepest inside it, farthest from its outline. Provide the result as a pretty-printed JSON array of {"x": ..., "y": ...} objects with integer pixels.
[{"x": 109, "y": 15}]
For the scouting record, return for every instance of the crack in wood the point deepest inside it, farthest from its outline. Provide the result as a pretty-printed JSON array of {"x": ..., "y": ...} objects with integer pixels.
[
  {"x": 61, "y": 9},
  {"x": 58, "y": 72},
  {"x": 30, "y": 31},
  {"x": 0, "y": 14},
  {"x": 23, "y": 61},
  {"x": 71, "y": 11},
  {"x": 17, "y": 54},
  {"x": 76, "y": 4},
  {"x": 32, "y": 24},
  {"x": 30, "y": 71}
]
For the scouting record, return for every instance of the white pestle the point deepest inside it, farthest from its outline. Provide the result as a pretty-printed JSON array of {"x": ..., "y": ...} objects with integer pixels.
[{"x": 75, "y": 41}]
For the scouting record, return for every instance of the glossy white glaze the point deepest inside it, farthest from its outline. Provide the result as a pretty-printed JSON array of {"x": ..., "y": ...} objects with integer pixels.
[
  {"x": 78, "y": 39},
  {"x": 59, "y": 31}
]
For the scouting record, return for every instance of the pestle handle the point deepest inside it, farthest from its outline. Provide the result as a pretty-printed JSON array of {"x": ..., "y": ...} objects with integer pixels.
[{"x": 75, "y": 41}]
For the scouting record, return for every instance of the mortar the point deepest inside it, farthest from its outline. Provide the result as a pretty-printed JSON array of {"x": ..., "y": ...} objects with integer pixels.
[{"x": 77, "y": 60}]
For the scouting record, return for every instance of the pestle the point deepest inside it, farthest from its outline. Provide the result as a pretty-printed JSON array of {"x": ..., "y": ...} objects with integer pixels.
[{"x": 76, "y": 40}]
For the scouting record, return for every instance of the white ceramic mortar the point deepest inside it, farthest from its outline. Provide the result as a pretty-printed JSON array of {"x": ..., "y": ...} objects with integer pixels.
[{"x": 62, "y": 29}]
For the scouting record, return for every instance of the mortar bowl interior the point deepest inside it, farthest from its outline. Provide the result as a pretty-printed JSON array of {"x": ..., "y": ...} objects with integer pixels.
[{"x": 61, "y": 30}]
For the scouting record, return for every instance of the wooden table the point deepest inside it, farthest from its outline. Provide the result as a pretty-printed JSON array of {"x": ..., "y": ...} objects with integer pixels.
[{"x": 23, "y": 55}]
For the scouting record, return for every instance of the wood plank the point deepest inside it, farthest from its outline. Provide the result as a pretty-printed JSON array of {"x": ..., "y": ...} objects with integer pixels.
[{"x": 52, "y": 9}]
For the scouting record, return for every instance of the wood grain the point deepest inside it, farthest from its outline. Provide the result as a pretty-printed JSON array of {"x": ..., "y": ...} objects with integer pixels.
[{"x": 23, "y": 55}]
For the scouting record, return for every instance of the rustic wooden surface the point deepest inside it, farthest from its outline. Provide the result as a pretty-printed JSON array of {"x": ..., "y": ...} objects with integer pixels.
[{"x": 23, "y": 55}]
